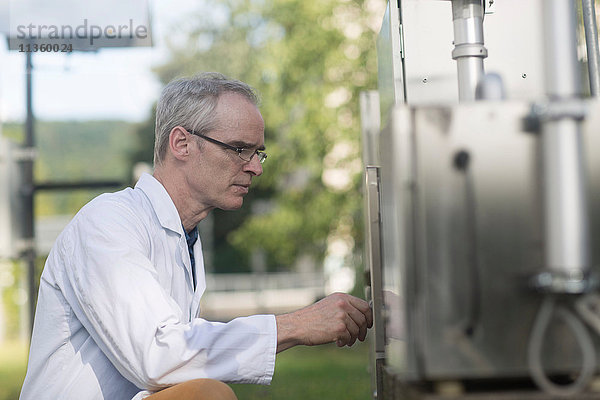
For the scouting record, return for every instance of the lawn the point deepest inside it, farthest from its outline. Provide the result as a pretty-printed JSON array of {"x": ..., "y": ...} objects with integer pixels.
[
  {"x": 315, "y": 373},
  {"x": 306, "y": 373}
]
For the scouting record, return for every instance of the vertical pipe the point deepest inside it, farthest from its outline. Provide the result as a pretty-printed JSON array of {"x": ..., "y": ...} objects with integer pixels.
[
  {"x": 591, "y": 43},
  {"x": 469, "y": 51},
  {"x": 565, "y": 210},
  {"x": 562, "y": 72},
  {"x": 28, "y": 195}
]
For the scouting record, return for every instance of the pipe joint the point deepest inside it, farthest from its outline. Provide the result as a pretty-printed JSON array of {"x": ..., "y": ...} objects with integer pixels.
[
  {"x": 469, "y": 50},
  {"x": 555, "y": 282}
]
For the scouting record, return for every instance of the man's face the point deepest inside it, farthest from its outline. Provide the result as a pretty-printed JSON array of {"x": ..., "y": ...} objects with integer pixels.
[{"x": 218, "y": 177}]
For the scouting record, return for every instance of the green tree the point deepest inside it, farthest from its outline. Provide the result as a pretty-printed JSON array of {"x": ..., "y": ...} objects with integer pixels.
[{"x": 309, "y": 60}]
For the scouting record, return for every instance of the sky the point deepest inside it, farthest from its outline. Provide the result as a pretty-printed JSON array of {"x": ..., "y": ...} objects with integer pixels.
[{"x": 109, "y": 84}]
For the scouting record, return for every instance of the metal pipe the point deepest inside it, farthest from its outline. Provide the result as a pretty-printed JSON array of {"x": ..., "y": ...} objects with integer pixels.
[
  {"x": 565, "y": 209},
  {"x": 591, "y": 42},
  {"x": 562, "y": 72},
  {"x": 566, "y": 230},
  {"x": 27, "y": 192},
  {"x": 490, "y": 87},
  {"x": 469, "y": 51}
]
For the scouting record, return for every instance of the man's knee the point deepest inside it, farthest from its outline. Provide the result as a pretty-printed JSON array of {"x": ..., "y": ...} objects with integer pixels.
[
  {"x": 196, "y": 389},
  {"x": 211, "y": 389}
]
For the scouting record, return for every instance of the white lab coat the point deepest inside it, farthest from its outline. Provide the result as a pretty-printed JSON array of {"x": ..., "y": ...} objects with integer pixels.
[{"x": 117, "y": 314}]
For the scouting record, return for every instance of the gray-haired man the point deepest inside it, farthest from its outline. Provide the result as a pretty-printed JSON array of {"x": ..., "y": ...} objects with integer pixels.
[{"x": 117, "y": 314}]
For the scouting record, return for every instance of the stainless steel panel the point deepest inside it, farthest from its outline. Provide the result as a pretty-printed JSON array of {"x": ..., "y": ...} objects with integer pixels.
[
  {"x": 389, "y": 61},
  {"x": 514, "y": 37},
  {"x": 480, "y": 237},
  {"x": 414, "y": 51},
  {"x": 461, "y": 235},
  {"x": 430, "y": 71},
  {"x": 399, "y": 296}
]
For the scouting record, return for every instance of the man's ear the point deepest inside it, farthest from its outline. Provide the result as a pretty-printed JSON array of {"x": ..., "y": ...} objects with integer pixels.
[{"x": 179, "y": 142}]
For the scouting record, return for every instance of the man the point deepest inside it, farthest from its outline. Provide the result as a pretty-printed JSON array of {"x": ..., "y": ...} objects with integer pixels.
[{"x": 117, "y": 313}]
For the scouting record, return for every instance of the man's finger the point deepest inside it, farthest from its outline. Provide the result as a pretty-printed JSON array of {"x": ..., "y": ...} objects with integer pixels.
[
  {"x": 361, "y": 321},
  {"x": 363, "y": 307},
  {"x": 352, "y": 327},
  {"x": 344, "y": 339}
]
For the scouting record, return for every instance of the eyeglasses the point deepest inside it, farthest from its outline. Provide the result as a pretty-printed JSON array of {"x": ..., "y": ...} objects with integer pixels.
[{"x": 245, "y": 154}]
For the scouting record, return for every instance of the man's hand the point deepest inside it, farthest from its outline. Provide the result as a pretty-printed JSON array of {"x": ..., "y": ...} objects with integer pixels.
[{"x": 337, "y": 318}]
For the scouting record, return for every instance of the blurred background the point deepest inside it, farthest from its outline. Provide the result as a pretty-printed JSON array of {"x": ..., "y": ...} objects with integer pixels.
[{"x": 299, "y": 234}]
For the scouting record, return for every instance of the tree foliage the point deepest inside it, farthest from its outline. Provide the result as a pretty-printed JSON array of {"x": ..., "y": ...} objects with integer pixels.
[{"x": 309, "y": 60}]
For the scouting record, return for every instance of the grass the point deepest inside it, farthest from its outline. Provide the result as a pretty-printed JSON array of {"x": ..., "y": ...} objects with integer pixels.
[
  {"x": 311, "y": 373},
  {"x": 306, "y": 373}
]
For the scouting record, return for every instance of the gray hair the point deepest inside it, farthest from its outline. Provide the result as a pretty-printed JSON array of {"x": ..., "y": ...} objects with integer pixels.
[{"x": 190, "y": 103}]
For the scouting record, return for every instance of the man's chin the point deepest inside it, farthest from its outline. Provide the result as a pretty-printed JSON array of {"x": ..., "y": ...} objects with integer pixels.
[{"x": 232, "y": 206}]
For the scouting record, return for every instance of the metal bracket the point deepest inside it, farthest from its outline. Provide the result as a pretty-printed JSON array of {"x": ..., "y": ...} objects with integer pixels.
[{"x": 553, "y": 111}]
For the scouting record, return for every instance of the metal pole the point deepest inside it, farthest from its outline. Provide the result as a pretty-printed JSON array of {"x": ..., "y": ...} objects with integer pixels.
[
  {"x": 565, "y": 210},
  {"x": 28, "y": 191},
  {"x": 469, "y": 51},
  {"x": 591, "y": 42}
]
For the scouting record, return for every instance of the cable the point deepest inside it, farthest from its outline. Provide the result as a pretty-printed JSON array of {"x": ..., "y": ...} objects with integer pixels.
[
  {"x": 588, "y": 308},
  {"x": 582, "y": 337}
]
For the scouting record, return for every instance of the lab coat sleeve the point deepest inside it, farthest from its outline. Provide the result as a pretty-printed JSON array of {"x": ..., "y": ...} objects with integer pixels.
[{"x": 112, "y": 286}]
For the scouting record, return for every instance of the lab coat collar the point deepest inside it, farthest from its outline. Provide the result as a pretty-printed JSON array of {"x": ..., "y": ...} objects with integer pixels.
[{"x": 161, "y": 202}]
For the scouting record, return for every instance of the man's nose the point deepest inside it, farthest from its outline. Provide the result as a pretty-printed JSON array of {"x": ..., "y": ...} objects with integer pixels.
[{"x": 254, "y": 166}]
